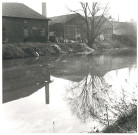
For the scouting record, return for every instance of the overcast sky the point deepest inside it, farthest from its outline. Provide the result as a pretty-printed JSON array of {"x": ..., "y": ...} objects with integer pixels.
[{"x": 126, "y": 9}]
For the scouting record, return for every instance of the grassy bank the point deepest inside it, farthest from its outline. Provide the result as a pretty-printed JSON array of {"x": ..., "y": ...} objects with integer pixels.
[
  {"x": 109, "y": 44},
  {"x": 125, "y": 124},
  {"x": 28, "y": 49},
  {"x": 23, "y": 50}
]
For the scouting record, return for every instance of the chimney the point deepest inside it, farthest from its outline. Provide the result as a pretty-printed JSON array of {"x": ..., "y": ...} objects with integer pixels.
[{"x": 44, "y": 9}]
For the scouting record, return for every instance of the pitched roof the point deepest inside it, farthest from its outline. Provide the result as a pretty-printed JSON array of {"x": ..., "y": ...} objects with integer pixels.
[
  {"x": 64, "y": 18},
  {"x": 122, "y": 28},
  {"x": 20, "y": 10},
  {"x": 61, "y": 19}
]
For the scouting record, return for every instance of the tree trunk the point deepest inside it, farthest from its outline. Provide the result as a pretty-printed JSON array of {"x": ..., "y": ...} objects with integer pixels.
[{"x": 91, "y": 44}]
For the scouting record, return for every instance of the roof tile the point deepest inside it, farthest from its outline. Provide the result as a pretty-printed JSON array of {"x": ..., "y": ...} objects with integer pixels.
[{"x": 20, "y": 10}]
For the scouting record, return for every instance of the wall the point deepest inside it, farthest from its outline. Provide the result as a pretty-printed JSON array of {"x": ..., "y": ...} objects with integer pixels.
[
  {"x": 74, "y": 29},
  {"x": 78, "y": 25},
  {"x": 107, "y": 30},
  {"x": 21, "y": 30},
  {"x": 57, "y": 28}
]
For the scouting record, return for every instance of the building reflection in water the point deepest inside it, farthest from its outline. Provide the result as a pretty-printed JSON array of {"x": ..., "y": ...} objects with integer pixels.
[
  {"x": 23, "y": 78},
  {"x": 47, "y": 93}
]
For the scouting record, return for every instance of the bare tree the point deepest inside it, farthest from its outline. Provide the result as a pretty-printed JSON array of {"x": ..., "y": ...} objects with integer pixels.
[{"x": 93, "y": 16}]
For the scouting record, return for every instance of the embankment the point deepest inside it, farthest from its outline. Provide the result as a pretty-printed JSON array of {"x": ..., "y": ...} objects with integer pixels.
[
  {"x": 24, "y": 50},
  {"x": 28, "y": 49}
]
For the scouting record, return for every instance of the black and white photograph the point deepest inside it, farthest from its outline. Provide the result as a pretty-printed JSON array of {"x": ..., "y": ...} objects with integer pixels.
[{"x": 69, "y": 66}]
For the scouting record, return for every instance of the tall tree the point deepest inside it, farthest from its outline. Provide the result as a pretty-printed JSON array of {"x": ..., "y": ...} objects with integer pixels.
[{"x": 93, "y": 16}]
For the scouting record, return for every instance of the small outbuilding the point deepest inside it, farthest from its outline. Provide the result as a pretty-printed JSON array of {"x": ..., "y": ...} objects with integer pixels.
[{"x": 22, "y": 24}]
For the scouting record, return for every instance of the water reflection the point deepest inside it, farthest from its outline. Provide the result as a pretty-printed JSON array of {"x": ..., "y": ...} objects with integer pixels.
[
  {"x": 86, "y": 98},
  {"x": 76, "y": 68},
  {"x": 95, "y": 85},
  {"x": 95, "y": 95},
  {"x": 21, "y": 78}
]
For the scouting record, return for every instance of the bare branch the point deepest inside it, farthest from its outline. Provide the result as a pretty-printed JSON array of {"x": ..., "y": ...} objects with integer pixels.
[{"x": 92, "y": 23}]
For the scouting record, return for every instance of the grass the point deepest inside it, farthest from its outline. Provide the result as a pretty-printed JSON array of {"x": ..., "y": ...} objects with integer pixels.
[
  {"x": 23, "y": 50},
  {"x": 124, "y": 124},
  {"x": 28, "y": 49}
]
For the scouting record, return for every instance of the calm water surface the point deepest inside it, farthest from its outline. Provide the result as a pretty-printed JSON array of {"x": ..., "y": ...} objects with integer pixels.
[{"x": 66, "y": 94}]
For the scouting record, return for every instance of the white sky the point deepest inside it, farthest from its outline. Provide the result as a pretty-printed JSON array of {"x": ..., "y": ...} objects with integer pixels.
[{"x": 125, "y": 8}]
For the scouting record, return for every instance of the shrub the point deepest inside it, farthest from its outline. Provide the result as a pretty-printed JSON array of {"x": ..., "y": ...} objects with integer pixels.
[{"x": 10, "y": 51}]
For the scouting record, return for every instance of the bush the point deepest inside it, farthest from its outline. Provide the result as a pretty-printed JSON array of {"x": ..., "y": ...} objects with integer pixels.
[
  {"x": 21, "y": 50},
  {"x": 124, "y": 124},
  {"x": 29, "y": 51},
  {"x": 10, "y": 51}
]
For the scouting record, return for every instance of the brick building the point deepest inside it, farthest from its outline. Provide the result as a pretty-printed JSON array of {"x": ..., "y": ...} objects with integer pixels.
[
  {"x": 20, "y": 24},
  {"x": 72, "y": 27}
]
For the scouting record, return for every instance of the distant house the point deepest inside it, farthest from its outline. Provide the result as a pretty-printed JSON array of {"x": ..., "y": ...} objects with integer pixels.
[
  {"x": 126, "y": 32},
  {"x": 72, "y": 27},
  {"x": 121, "y": 28},
  {"x": 20, "y": 23}
]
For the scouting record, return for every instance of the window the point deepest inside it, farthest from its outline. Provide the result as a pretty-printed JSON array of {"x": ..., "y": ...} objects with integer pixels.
[
  {"x": 26, "y": 34},
  {"x": 4, "y": 34},
  {"x": 78, "y": 30},
  {"x": 25, "y": 21},
  {"x": 34, "y": 28},
  {"x": 43, "y": 32},
  {"x": 69, "y": 31}
]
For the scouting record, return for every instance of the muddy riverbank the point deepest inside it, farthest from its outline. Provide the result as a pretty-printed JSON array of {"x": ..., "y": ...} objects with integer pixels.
[{"x": 28, "y": 49}]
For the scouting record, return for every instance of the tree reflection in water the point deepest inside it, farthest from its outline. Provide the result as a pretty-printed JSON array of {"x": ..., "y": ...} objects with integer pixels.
[
  {"x": 87, "y": 98},
  {"x": 94, "y": 97}
]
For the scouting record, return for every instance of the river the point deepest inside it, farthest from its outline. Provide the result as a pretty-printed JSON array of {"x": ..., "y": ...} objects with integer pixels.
[{"x": 66, "y": 94}]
